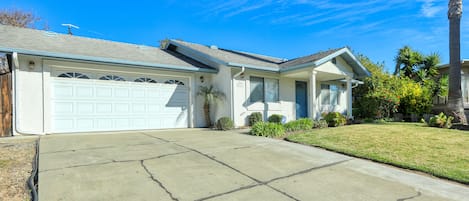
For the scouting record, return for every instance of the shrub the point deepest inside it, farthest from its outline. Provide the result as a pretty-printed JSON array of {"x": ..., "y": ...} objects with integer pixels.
[
  {"x": 320, "y": 124},
  {"x": 299, "y": 125},
  {"x": 267, "y": 129},
  {"x": 254, "y": 118},
  {"x": 275, "y": 118},
  {"x": 335, "y": 119},
  {"x": 225, "y": 123},
  {"x": 441, "y": 121}
]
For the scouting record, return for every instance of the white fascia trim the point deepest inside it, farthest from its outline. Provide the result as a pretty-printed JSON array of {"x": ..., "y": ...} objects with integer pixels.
[
  {"x": 107, "y": 60},
  {"x": 270, "y": 69}
]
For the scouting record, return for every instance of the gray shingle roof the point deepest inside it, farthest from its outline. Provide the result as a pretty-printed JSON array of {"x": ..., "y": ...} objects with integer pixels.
[
  {"x": 231, "y": 56},
  {"x": 240, "y": 57},
  {"x": 38, "y": 41},
  {"x": 308, "y": 59}
]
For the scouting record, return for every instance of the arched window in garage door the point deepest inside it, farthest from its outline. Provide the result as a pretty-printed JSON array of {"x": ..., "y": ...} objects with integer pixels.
[
  {"x": 112, "y": 77},
  {"x": 174, "y": 82},
  {"x": 73, "y": 75},
  {"x": 145, "y": 79}
]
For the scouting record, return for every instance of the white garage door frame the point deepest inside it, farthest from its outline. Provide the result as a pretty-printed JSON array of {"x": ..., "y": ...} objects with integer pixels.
[{"x": 54, "y": 67}]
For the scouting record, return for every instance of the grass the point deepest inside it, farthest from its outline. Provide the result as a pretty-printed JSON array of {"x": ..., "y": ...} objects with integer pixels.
[{"x": 441, "y": 152}]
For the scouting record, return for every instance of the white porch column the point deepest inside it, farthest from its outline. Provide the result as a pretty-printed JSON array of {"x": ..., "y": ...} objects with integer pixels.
[
  {"x": 349, "y": 97},
  {"x": 312, "y": 94}
]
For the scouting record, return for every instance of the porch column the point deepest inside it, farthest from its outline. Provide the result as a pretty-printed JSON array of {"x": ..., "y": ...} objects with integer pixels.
[
  {"x": 312, "y": 94},
  {"x": 349, "y": 97}
]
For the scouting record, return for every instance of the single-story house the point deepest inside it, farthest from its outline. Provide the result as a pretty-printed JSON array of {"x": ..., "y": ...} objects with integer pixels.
[
  {"x": 64, "y": 84},
  {"x": 444, "y": 69}
]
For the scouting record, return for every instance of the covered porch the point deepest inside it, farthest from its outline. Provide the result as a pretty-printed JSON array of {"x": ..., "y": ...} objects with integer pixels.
[{"x": 325, "y": 90}]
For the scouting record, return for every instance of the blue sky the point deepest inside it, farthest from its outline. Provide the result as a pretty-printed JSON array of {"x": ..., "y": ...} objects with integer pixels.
[{"x": 280, "y": 28}]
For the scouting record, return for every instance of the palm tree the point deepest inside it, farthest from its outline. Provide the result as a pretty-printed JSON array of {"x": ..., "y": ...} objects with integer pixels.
[
  {"x": 407, "y": 62},
  {"x": 455, "y": 101},
  {"x": 210, "y": 95}
]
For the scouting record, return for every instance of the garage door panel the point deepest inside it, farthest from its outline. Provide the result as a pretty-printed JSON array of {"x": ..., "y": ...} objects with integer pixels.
[
  {"x": 63, "y": 107},
  {"x": 80, "y": 105},
  {"x": 104, "y": 108},
  {"x": 62, "y": 91},
  {"x": 104, "y": 92},
  {"x": 85, "y": 108}
]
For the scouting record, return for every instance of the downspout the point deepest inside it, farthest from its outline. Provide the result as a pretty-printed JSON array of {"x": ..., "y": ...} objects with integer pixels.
[
  {"x": 15, "y": 64},
  {"x": 232, "y": 92}
]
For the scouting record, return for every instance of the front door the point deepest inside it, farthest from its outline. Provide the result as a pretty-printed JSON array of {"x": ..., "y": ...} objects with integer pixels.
[{"x": 301, "y": 101}]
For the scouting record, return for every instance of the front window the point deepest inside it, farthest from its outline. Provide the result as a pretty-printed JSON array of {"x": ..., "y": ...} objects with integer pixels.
[
  {"x": 264, "y": 89},
  {"x": 329, "y": 94}
]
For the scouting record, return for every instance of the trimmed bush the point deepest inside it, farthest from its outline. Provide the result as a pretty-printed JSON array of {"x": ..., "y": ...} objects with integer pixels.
[
  {"x": 275, "y": 118},
  {"x": 441, "y": 121},
  {"x": 299, "y": 125},
  {"x": 335, "y": 119},
  {"x": 320, "y": 124},
  {"x": 267, "y": 129},
  {"x": 225, "y": 123},
  {"x": 254, "y": 118}
]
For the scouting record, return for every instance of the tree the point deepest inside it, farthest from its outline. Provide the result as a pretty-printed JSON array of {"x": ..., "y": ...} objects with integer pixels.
[
  {"x": 18, "y": 18},
  {"x": 455, "y": 100},
  {"x": 210, "y": 96},
  {"x": 407, "y": 62}
]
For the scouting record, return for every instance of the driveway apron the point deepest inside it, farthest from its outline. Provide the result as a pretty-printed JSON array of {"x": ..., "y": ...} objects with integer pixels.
[{"x": 198, "y": 164}]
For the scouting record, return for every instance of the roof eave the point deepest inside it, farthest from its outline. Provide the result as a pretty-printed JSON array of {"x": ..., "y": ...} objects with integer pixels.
[
  {"x": 300, "y": 66},
  {"x": 106, "y": 60},
  {"x": 264, "y": 68}
]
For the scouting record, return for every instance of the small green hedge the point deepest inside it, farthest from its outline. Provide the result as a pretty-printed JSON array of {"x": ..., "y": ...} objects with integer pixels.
[
  {"x": 254, "y": 118},
  {"x": 225, "y": 123},
  {"x": 441, "y": 121},
  {"x": 320, "y": 124},
  {"x": 275, "y": 118},
  {"x": 267, "y": 129},
  {"x": 299, "y": 125},
  {"x": 335, "y": 119}
]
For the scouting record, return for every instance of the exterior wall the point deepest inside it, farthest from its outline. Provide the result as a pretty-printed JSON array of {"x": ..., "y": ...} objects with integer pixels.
[
  {"x": 222, "y": 82},
  {"x": 342, "y": 101},
  {"x": 440, "y": 101},
  {"x": 243, "y": 107},
  {"x": 199, "y": 118},
  {"x": 341, "y": 67},
  {"x": 32, "y": 90}
]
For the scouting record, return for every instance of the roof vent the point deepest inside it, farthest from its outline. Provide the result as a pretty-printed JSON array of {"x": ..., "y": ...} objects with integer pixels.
[
  {"x": 50, "y": 34},
  {"x": 213, "y": 47}
]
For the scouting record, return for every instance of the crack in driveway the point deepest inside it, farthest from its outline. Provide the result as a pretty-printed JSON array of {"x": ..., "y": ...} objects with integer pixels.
[
  {"x": 97, "y": 148},
  {"x": 115, "y": 161},
  {"x": 156, "y": 181},
  {"x": 266, "y": 183},
  {"x": 236, "y": 170},
  {"x": 411, "y": 197}
]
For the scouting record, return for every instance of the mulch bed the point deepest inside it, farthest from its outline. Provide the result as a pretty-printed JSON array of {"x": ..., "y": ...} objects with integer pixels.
[{"x": 16, "y": 158}]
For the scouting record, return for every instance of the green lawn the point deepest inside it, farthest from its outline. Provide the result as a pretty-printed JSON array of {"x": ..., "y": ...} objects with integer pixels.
[{"x": 440, "y": 152}]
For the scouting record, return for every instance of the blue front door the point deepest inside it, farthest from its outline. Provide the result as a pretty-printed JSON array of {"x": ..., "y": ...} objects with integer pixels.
[{"x": 301, "y": 100}]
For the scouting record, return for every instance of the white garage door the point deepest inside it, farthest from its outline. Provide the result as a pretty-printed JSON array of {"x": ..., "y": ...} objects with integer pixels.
[{"x": 83, "y": 103}]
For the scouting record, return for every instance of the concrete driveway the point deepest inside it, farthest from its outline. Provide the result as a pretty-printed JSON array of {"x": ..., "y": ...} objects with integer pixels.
[{"x": 195, "y": 164}]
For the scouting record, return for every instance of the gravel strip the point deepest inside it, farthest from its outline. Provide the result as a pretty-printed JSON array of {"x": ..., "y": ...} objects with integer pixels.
[{"x": 16, "y": 157}]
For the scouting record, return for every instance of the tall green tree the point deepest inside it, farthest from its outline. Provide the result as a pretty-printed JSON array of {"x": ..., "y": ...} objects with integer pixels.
[
  {"x": 210, "y": 95},
  {"x": 455, "y": 100},
  {"x": 407, "y": 62}
]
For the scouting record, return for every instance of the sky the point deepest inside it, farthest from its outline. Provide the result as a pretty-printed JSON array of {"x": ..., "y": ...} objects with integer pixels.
[{"x": 279, "y": 28}]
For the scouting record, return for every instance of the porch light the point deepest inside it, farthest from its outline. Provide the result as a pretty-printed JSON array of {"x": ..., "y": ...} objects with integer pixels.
[{"x": 202, "y": 79}]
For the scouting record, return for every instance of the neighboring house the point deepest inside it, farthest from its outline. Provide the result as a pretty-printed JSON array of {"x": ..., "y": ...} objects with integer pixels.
[
  {"x": 63, "y": 83},
  {"x": 444, "y": 69}
]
